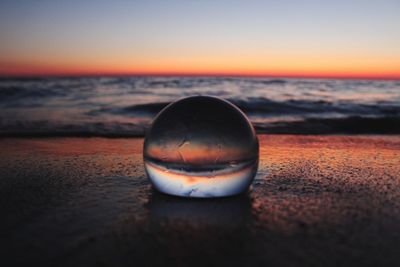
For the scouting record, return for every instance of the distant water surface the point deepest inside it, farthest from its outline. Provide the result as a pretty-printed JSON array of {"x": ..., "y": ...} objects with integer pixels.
[{"x": 125, "y": 106}]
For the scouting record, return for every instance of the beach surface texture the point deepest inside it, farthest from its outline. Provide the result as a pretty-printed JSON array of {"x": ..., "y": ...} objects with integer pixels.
[{"x": 329, "y": 200}]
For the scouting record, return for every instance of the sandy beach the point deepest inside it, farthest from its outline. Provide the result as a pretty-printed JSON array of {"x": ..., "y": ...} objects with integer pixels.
[{"x": 316, "y": 201}]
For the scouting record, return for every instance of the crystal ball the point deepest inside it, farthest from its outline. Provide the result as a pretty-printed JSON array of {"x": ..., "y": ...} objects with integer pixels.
[{"x": 201, "y": 146}]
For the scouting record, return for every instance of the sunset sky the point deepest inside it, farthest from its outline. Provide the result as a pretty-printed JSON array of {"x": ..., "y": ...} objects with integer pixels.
[{"x": 220, "y": 37}]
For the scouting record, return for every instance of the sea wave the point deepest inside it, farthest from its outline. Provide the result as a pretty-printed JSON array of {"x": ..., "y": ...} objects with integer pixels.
[
  {"x": 125, "y": 106},
  {"x": 267, "y": 107}
]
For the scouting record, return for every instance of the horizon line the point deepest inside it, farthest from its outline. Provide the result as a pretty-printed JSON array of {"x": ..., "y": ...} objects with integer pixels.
[{"x": 178, "y": 74}]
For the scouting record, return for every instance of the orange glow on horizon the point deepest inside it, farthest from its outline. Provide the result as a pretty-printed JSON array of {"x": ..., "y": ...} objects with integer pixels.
[{"x": 212, "y": 67}]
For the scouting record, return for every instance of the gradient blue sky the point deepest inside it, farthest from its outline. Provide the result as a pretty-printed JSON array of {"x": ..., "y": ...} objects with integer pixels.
[{"x": 188, "y": 37}]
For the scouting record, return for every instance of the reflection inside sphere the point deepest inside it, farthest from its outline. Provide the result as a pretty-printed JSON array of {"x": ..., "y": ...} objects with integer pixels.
[{"x": 201, "y": 147}]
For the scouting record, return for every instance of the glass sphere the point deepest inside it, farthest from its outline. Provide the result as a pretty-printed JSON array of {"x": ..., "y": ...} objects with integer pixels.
[{"x": 201, "y": 146}]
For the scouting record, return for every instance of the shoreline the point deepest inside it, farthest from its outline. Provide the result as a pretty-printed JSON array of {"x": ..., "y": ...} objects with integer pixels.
[{"x": 352, "y": 126}]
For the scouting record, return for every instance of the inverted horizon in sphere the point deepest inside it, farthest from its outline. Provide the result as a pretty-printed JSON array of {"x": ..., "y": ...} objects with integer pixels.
[{"x": 201, "y": 146}]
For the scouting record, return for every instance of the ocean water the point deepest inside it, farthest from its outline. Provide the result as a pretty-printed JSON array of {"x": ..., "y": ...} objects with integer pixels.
[{"x": 125, "y": 106}]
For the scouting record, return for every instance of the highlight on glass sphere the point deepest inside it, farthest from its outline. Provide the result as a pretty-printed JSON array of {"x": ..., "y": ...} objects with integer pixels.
[{"x": 201, "y": 146}]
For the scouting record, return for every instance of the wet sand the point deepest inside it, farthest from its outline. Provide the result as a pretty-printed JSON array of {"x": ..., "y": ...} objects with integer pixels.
[{"x": 317, "y": 201}]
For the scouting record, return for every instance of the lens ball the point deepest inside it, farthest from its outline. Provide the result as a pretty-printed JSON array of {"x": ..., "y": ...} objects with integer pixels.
[{"x": 201, "y": 146}]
